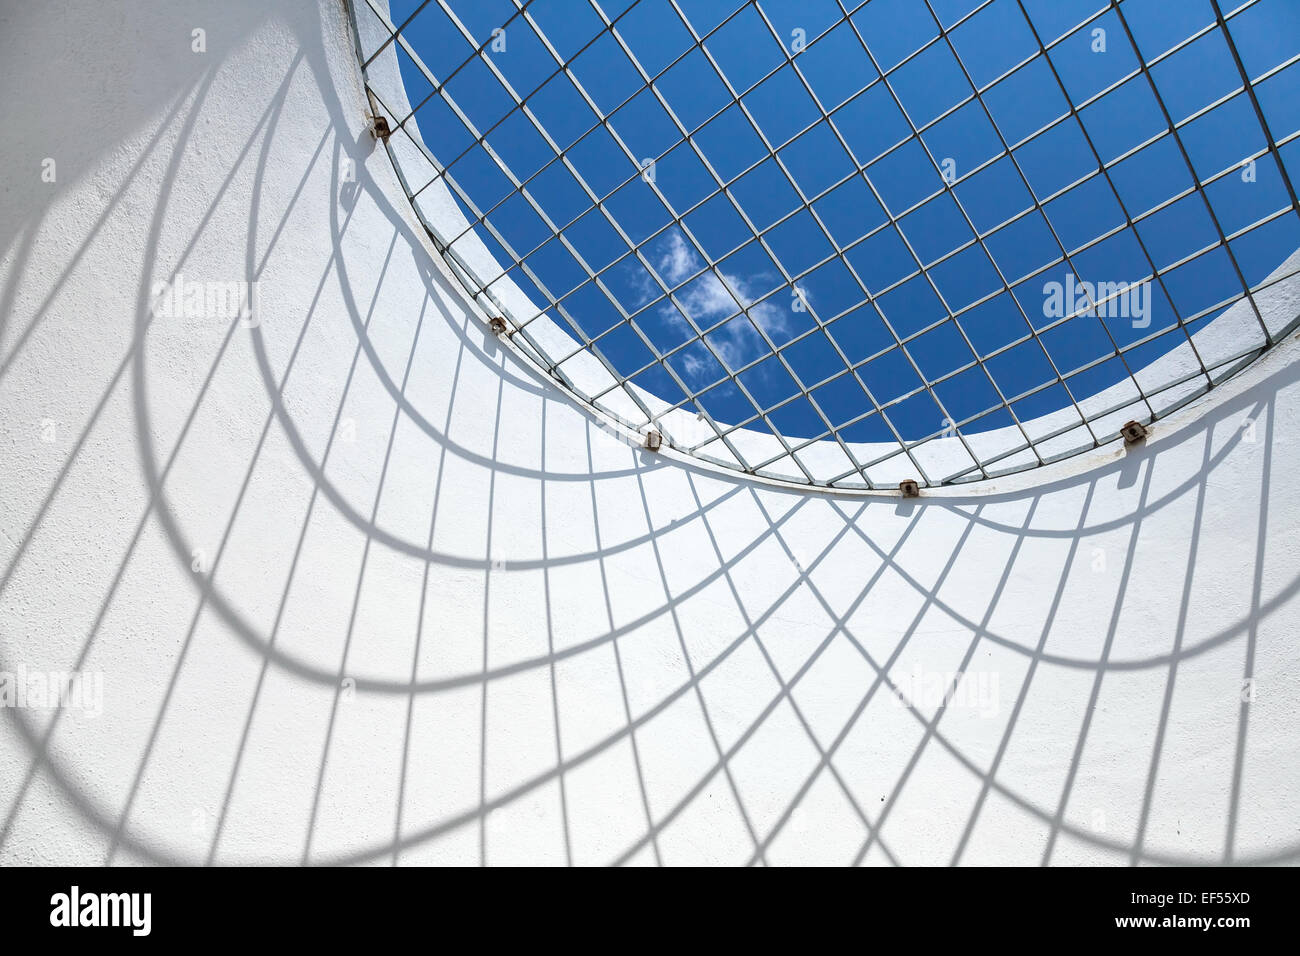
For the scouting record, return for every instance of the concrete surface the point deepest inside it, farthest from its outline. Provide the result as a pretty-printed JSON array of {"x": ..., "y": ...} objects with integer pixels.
[{"x": 361, "y": 587}]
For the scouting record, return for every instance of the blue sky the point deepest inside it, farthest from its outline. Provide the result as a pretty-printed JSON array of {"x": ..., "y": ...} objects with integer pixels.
[{"x": 851, "y": 157}]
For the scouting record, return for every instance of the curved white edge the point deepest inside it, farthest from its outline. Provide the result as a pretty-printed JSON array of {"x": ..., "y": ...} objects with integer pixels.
[{"x": 1169, "y": 381}]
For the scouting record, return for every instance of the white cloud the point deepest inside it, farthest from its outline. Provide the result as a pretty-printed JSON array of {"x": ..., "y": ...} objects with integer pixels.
[
  {"x": 709, "y": 300},
  {"x": 678, "y": 260}
]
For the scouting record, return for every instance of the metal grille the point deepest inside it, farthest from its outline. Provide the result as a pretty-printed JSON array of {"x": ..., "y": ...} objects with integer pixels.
[{"x": 968, "y": 415}]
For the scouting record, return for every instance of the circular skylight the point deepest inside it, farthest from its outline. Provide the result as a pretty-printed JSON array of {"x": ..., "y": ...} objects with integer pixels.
[{"x": 849, "y": 244}]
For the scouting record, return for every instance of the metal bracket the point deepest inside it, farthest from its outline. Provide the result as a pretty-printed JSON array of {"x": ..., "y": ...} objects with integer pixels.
[{"x": 1133, "y": 432}]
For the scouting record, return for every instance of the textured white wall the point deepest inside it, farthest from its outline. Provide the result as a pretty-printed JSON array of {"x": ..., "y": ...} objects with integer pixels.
[{"x": 442, "y": 615}]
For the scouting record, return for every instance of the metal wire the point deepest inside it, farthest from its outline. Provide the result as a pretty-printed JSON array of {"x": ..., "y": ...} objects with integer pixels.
[{"x": 1028, "y": 451}]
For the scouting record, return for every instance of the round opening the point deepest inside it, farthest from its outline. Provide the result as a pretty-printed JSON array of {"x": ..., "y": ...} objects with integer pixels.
[{"x": 848, "y": 244}]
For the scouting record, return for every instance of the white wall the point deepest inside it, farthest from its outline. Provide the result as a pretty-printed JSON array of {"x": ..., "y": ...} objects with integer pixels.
[{"x": 442, "y": 615}]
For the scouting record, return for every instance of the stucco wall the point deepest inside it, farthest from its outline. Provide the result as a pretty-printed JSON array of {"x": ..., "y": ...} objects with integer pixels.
[{"x": 362, "y": 587}]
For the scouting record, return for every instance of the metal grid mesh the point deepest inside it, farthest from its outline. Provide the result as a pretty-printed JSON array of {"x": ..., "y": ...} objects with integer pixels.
[{"x": 701, "y": 268}]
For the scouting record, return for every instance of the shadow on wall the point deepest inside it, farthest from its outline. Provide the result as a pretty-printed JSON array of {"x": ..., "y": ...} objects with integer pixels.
[{"x": 746, "y": 617}]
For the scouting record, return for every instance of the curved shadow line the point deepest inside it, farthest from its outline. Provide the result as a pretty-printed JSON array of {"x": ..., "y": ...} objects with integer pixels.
[
  {"x": 151, "y": 853},
  {"x": 20, "y": 261},
  {"x": 39, "y": 742},
  {"x": 371, "y": 530}
]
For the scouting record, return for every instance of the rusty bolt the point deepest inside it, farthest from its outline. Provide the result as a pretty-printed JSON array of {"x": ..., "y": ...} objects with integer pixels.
[{"x": 1133, "y": 432}]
